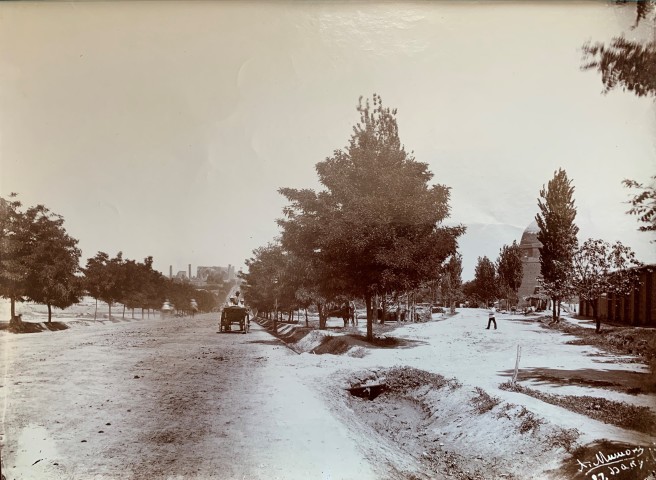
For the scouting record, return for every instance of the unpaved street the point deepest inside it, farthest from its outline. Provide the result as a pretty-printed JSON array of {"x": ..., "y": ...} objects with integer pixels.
[{"x": 152, "y": 399}]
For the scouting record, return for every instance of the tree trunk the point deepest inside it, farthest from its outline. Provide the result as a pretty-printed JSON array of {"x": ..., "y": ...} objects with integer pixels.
[
  {"x": 370, "y": 317},
  {"x": 375, "y": 309},
  {"x": 413, "y": 307},
  {"x": 109, "y": 304},
  {"x": 142, "y": 313},
  {"x": 382, "y": 320},
  {"x": 13, "y": 308},
  {"x": 95, "y": 312},
  {"x": 322, "y": 316},
  {"x": 595, "y": 315},
  {"x": 559, "y": 301},
  {"x": 49, "y": 313},
  {"x": 124, "y": 310},
  {"x": 553, "y": 308},
  {"x": 307, "y": 322},
  {"x": 133, "y": 313}
]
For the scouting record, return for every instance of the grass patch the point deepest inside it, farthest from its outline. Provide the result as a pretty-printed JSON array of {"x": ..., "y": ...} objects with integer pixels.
[
  {"x": 530, "y": 422},
  {"x": 564, "y": 438},
  {"x": 621, "y": 414},
  {"x": 400, "y": 380},
  {"x": 615, "y": 339},
  {"x": 483, "y": 402}
]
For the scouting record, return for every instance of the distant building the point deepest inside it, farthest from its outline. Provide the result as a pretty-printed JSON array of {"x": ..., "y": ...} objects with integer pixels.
[
  {"x": 202, "y": 273},
  {"x": 529, "y": 246}
]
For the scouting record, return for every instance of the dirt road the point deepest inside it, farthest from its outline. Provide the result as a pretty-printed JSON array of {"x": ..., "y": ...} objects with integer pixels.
[{"x": 171, "y": 399}]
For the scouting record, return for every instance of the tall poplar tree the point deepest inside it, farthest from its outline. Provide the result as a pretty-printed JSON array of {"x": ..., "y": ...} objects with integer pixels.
[
  {"x": 509, "y": 270},
  {"x": 485, "y": 284},
  {"x": 558, "y": 237}
]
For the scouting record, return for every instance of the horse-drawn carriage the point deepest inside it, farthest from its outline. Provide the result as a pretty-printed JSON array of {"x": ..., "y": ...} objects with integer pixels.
[{"x": 235, "y": 314}]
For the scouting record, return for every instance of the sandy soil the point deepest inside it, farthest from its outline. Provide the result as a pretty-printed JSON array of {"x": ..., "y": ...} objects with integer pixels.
[{"x": 164, "y": 399}]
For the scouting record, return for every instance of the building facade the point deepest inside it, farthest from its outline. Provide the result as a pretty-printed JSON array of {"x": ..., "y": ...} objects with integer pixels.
[{"x": 637, "y": 309}]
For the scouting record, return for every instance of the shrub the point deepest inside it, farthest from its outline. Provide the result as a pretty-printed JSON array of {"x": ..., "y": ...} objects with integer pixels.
[{"x": 483, "y": 402}]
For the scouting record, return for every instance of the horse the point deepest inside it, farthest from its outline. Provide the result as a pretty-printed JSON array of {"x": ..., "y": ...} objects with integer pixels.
[{"x": 346, "y": 312}]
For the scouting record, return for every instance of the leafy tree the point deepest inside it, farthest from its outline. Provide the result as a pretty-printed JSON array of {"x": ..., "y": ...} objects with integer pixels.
[
  {"x": 510, "y": 270},
  {"x": 139, "y": 285},
  {"x": 450, "y": 282},
  {"x": 485, "y": 286},
  {"x": 180, "y": 294},
  {"x": 54, "y": 262},
  {"x": 643, "y": 204},
  {"x": 132, "y": 280},
  {"x": 206, "y": 300},
  {"x": 469, "y": 291},
  {"x": 626, "y": 64},
  {"x": 601, "y": 268},
  {"x": 376, "y": 226},
  {"x": 630, "y": 65},
  {"x": 103, "y": 279},
  {"x": 152, "y": 287},
  {"x": 558, "y": 237},
  {"x": 13, "y": 251},
  {"x": 266, "y": 283},
  {"x": 38, "y": 259}
]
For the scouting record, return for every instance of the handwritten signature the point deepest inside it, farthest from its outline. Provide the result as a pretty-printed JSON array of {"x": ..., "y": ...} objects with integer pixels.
[{"x": 617, "y": 462}]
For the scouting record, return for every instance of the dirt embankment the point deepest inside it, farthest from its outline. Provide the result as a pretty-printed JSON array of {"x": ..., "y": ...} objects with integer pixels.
[
  {"x": 17, "y": 325},
  {"x": 452, "y": 431},
  {"x": 432, "y": 427},
  {"x": 615, "y": 339}
]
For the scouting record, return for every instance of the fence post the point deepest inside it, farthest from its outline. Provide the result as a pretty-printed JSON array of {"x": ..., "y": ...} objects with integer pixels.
[{"x": 519, "y": 354}]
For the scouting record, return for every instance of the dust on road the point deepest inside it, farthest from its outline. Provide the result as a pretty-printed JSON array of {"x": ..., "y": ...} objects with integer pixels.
[{"x": 165, "y": 399}]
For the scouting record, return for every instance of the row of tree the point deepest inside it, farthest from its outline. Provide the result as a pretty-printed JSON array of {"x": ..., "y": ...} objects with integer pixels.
[
  {"x": 136, "y": 285},
  {"x": 496, "y": 280},
  {"x": 40, "y": 262},
  {"x": 567, "y": 269},
  {"x": 376, "y": 230}
]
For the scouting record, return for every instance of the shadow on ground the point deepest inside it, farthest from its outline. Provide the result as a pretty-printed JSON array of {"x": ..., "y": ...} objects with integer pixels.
[
  {"x": 340, "y": 344},
  {"x": 619, "y": 380}
]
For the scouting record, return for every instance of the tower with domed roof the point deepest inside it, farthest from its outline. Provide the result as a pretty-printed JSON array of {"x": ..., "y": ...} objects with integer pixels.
[{"x": 530, "y": 253}]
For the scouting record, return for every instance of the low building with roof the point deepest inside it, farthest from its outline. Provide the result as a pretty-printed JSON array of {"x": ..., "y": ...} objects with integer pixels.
[{"x": 637, "y": 309}]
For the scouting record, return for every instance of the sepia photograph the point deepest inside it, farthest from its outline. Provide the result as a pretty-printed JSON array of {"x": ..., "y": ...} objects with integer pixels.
[{"x": 297, "y": 240}]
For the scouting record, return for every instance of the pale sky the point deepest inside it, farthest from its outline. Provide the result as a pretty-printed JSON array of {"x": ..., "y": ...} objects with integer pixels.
[{"x": 165, "y": 129}]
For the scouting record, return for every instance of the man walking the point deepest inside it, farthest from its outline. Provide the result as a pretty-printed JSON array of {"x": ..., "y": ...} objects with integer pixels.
[{"x": 491, "y": 318}]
